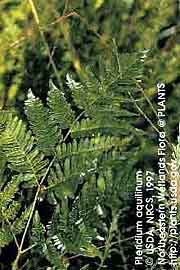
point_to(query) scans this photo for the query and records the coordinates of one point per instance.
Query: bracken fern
(81, 165)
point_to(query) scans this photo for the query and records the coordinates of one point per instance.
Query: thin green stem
(20, 251)
(37, 21)
(148, 119)
(108, 240)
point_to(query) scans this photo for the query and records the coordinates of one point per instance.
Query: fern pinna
(80, 164)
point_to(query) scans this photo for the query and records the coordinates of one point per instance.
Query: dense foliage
(73, 163)
(75, 81)
(75, 35)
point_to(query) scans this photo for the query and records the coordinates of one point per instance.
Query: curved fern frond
(87, 128)
(5, 236)
(65, 177)
(8, 193)
(42, 125)
(60, 109)
(8, 231)
(87, 147)
(68, 231)
(98, 97)
(10, 213)
(18, 147)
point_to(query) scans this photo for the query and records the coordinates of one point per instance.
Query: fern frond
(19, 224)
(98, 97)
(8, 231)
(87, 128)
(87, 147)
(60, 109)
(57, 260)
(10, 213)
(79, 160)
(42, 125)
(68, 230)
(65, 177)
(80, 97)
(91, 168)
(5, 237)
(38, 231)
(117, 182)
(58, 183)
(8, 193)
(18, 147)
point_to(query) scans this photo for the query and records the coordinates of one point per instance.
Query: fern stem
(70, 130)
(37, 20)
(151, 105)
(20, 251)
(14, 236)
(148, 119)
(146, 97)
(27, 249)
(122, 253)
(66, 7)
(108, 240)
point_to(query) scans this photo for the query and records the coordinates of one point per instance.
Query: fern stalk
(36, 18)
(20, 248)
(109, 239)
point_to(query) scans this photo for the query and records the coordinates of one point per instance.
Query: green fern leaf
(60, 109)
(18, 147)
(10, 213)
(19, 224)
(5, 237)
(42, 125)
(8, 193)
(98, 97)
(87, 128)
(87, 147)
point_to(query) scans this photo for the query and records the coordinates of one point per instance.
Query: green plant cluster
(70, 146)
(77, 32)
(81, 165)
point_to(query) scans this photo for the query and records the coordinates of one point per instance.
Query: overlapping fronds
(12, 220)
(17, 145)
(81, 165)
(9, 230)
(102, 98)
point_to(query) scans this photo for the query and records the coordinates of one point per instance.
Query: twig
(108, 241)
(66, 6)
(37, 21)
(148, 119)
(20, 251)
(74, 13)
(146, 97)
(14, 236)
(27, 249)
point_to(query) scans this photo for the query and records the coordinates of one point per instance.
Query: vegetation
(72, 163)
(75, 81)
